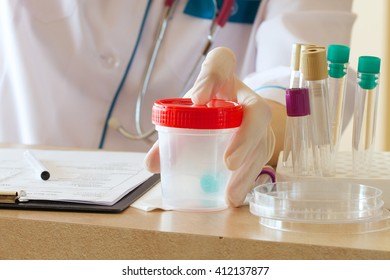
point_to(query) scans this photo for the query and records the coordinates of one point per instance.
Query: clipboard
(121, 205)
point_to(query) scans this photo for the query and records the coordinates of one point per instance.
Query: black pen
(38, 166)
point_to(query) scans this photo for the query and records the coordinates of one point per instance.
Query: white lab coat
(61, 61)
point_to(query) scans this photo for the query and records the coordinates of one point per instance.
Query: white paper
(96, 177)
(151, 200)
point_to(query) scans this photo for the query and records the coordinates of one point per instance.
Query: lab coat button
(110, 61)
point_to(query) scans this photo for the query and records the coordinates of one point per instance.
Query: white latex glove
(253, 144)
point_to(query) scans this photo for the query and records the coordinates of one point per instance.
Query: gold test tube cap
(297, 48)
(305, 47)
(314, 65)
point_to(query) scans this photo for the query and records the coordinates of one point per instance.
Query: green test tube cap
(338, 57)
(369, 68)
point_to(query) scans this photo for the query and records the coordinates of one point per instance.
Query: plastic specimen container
(192, 141)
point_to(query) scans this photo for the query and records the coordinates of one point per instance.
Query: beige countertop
(135, 234)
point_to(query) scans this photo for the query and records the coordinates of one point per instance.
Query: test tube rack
(379, 177)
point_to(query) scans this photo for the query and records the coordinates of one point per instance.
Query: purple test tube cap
(297, 102)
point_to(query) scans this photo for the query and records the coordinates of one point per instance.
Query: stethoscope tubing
(167, 15)
(122, 82)
(220, 18)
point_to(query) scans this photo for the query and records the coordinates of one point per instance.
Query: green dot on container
(209, 183)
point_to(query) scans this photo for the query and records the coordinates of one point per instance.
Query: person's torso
(64, 61)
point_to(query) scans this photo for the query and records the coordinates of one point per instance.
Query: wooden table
(134, 234)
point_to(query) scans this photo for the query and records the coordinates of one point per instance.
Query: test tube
(364, 120)
(315, 73)
(298, 113)
(295, 80)
(294, 83)
(338, 59)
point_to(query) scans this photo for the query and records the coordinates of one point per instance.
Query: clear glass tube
(301, 152)
(323, 154)
(294, 83)
(337, 90)
(295, 78)
(286, 160)
(302, 82)
(364, 126)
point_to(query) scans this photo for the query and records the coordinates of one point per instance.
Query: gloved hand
(253, 144)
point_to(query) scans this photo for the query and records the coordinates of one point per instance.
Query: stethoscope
(219, 19)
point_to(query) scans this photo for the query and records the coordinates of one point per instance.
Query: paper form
(95, 177)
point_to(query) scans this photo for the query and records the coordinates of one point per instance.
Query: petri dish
(320, 206)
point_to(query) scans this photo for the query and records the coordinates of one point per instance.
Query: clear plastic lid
(320, 206)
